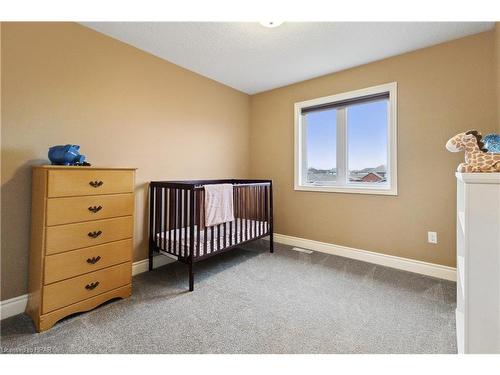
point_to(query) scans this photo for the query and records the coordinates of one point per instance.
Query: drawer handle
(95, 234)
(95, 209)
(92, 286)
(94, 260)
(96, 184)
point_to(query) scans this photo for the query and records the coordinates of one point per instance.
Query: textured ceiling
(252, 58)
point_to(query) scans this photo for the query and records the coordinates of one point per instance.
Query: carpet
(250, 301)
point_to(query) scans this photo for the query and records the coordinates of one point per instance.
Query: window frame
(300, 168)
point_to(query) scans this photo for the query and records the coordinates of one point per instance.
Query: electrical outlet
(432, 237)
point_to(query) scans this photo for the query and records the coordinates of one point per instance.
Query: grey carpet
(250, 301)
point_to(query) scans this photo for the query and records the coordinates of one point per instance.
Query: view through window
(347, 143)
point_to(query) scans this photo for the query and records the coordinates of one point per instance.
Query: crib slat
(225, 235)
(205, 247)
(151, 212)
(245, 205)
(182, 248)
(266, 212)
(238, 220)
(249, 218)
(168, 208)
(178, 230)
(205, 237)
(263, 209)
(158, 217)
(151, 215)
(191, 224)
(246, 202)
(254, 212)
(219, 242)
(199, 208)
(259, 214)
(231, 223)
(165, 218)
(162, 220)
(236, 215)
(262, 217)
(250, 211)
(242, 216)
(174, 218)
(212, 239)
(257, 210)
(185, 217)
(155, 233)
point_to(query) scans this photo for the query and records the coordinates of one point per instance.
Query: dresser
(82, 225)
(478, 263)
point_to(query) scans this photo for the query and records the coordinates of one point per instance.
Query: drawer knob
(94, 260)
(95, 209)
(96, 184)
(95, 234)
(92, 286)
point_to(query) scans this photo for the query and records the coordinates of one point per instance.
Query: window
(347, 142)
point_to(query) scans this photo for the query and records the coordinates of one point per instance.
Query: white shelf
(461, 275)
(460, 331)
(461, 219)
(478, 178)
(478, 262)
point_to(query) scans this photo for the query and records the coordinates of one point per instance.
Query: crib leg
(151, 260)
(271, 243)
(191, 277)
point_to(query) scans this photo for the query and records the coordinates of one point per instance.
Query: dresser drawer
(93, 207)
(73, 290)
(74, 236)
(77, 262)
(66, 183)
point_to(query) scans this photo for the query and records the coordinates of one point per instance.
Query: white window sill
(348, 189)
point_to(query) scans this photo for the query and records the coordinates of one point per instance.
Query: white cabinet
(478, 262)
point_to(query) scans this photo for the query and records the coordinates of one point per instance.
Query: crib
(177, 220)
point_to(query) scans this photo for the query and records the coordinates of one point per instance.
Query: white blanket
(218, 204)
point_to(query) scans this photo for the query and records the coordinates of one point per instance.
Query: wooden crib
(176, 219)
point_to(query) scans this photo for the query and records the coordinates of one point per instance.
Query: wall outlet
(432, 237)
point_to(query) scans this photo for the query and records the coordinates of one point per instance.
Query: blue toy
(492, 143)
(66, 155)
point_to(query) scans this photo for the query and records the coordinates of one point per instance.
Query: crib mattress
(239, 234)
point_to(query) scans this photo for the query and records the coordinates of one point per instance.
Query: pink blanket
(218, 204)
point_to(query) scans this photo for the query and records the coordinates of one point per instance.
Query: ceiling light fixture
(270, 23)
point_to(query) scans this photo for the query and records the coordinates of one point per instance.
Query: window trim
(392, 187)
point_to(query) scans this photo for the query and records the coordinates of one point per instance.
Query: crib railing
(177, 219)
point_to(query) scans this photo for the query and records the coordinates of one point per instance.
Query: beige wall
(442, 91)
(63, 83)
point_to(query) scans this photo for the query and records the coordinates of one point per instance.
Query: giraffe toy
(477, 159)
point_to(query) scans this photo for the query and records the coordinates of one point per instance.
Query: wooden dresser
(82, 225)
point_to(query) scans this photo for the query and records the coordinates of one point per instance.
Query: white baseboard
(13, 306)
(411, 265)
(17, 305)
(158, 261)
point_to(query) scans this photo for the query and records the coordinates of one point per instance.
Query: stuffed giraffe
(476, 157)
